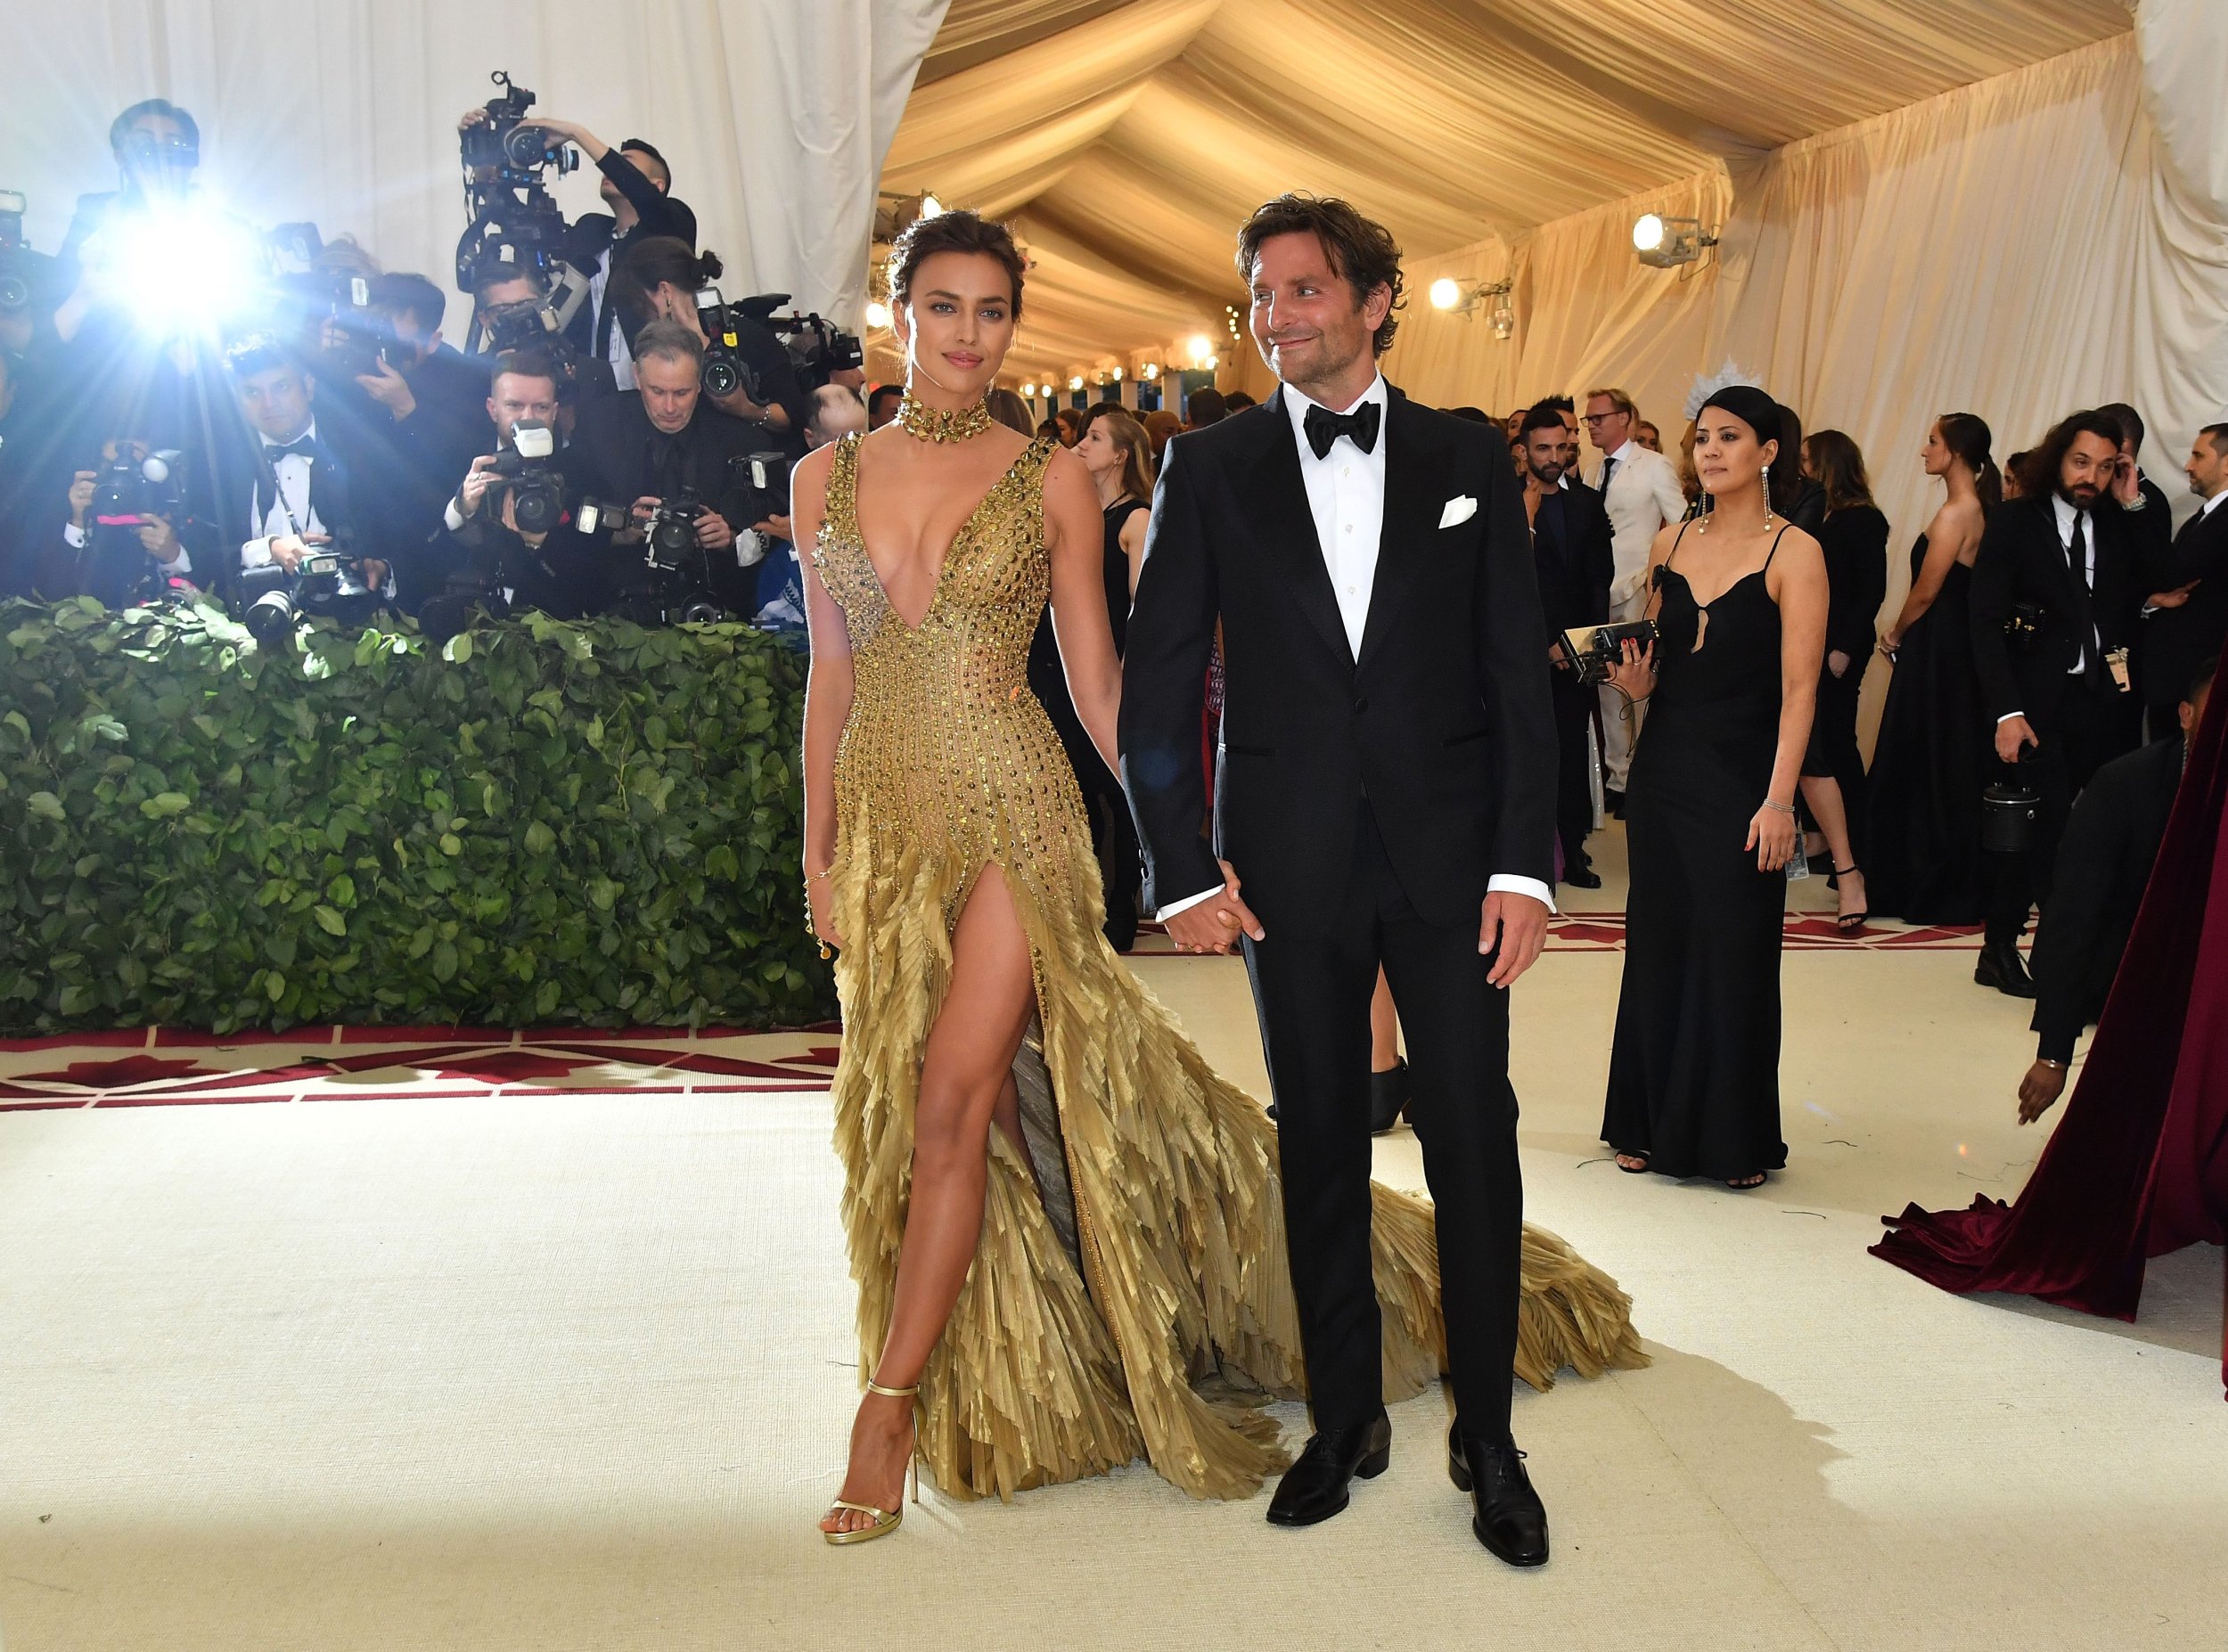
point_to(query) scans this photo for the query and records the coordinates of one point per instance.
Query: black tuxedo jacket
(2104, 862)
(1574, 556)
(1443, 723)
(2022, 560)
(2177, 641)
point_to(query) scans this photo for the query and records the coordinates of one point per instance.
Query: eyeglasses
(1615, 412)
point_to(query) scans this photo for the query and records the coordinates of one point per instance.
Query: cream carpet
(569, 1371)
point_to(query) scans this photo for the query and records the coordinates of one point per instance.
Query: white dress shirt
(2066, 515)
(1345, 495)
(292, 512)
(1642, 496)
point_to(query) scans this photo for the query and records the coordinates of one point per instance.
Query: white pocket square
(1458, 510)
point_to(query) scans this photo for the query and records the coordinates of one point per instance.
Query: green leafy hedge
(541, 822)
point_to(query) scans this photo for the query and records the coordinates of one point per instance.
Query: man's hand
(737, 403)
(2039, 1089)
(1214, 925)
(713, 532)
(288, 550)
(1515, 926)
(2012, 733)
(80, 497)
(375, 574)
(1838, 663)
(2125, 481)
(2170, 599)
(476, 483)
(777, 527)
(390, 390)
(159, 538)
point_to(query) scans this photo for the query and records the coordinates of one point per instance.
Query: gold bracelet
(811, 877)
(1784, 808)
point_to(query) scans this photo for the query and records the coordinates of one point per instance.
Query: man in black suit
(2188, 624)
(2104, 863)
(2065, 567)
(1574, 555)
(1386, 791)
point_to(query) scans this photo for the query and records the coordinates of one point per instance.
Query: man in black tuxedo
(2104, 863)
(2066, 567)
(1386, 791)
(1574, 555)
(2188, 624)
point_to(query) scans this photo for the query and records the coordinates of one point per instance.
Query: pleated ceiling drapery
(1144, 132)
(773, 114)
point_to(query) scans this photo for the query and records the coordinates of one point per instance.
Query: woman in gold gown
(1066, 1231)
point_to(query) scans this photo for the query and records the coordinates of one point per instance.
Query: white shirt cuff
(1508, 883)
(73, 535)
(1186, 904)
(179, 568)
(453, 518)
(2007, 717)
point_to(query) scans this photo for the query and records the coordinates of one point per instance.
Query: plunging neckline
(1757, 573)
(936, 588)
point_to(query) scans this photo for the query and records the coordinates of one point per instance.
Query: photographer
(480, 540)
(511, 313)
(156, 147)
(297, 488)
(129, 537)
(659, 280)
(664, 443)
(836, 412)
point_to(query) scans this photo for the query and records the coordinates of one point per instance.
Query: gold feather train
(1129, 1293)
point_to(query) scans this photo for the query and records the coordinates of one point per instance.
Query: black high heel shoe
(1847, 923)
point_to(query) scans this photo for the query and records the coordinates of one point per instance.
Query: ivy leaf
(458, 649)
(47, 806)
(539, 839)
(329, 920)
(164, 803)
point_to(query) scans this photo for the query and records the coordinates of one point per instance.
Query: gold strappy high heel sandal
(886, 1520)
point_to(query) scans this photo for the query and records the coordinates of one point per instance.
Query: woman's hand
(1771, 835)
(1891, 644)
(822, 897)
(1634, 673)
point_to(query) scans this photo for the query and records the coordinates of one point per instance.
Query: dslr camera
(136, 483)
(281, 596)
(724, 370)
(672, 584)
(537, 325)
(530, 479)
(17, 274)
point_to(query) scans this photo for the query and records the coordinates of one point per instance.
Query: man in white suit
(1641, 493)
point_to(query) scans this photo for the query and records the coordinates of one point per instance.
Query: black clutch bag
(2023, 626)
(1594, 650)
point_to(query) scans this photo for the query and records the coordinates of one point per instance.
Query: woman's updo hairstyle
(957, 231)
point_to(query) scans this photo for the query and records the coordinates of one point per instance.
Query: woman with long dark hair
(1922, 814)
(1709, 815)
(1852, 534)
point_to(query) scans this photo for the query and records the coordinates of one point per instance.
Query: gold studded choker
(933, 424)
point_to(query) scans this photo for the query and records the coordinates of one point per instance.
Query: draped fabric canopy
(1129, 138)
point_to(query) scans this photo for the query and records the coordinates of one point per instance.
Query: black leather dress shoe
(2002, 967)
(1315, 1488)
(1511, 1520)
(1613, 803)
(1582, 877)
(1388, 1094)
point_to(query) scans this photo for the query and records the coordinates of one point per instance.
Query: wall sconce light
(1666, 243)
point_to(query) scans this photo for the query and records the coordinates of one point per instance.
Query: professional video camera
(819, 347)
(507, 205)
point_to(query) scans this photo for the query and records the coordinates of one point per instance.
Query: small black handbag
(1594, 650)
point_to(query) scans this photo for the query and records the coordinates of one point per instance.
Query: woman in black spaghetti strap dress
(1740, 610)
(1118, 455)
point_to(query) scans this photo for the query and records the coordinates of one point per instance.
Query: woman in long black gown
(1923, 836)
(1853, 535)
(1740, 605)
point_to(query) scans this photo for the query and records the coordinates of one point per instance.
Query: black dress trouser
(1575, 704)
(2076, 733)
(1313, 979)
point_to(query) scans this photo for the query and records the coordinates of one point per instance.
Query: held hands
(2012, 733)
(2039, 1089)
(1771, 835)
(1214, 925)
(1515, 926)
(1634, 673)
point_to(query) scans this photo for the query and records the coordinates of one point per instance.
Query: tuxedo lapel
(1286, 527)
(1415, 464)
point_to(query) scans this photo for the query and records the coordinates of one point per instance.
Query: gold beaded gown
(1129, 1293)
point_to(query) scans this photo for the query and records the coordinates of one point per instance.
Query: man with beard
(1572, 550)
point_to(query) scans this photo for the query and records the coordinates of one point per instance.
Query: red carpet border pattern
(154, 1066)
(1604, 932)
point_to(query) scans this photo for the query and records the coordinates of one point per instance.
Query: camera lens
(270, 620)
(535, 508)
(721, 376)
(15, 292)
(525, 148)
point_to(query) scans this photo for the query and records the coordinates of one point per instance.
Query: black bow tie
(1324, 427)
(300, 448)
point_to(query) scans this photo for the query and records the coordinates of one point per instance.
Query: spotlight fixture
(930, 206)
(877, 314)
(1118, 375)
(1465, 299)
(1075, 383)
(1666, 243)
(1201, 347)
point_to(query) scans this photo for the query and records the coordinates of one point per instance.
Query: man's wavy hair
(2039, 468)
(1360, 250)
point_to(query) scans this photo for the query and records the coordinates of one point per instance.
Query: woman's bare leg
(1822, 794)
(967, 1070)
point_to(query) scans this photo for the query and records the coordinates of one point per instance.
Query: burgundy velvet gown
(2139, 1164)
